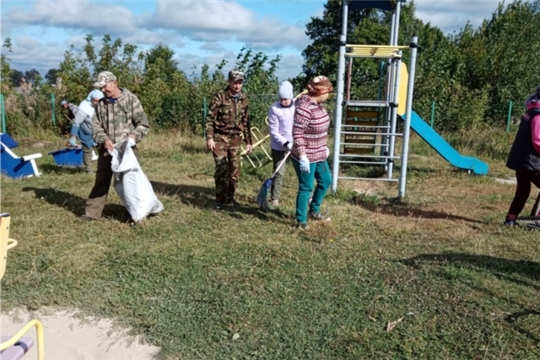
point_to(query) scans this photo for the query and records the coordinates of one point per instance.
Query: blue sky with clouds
(201, 31)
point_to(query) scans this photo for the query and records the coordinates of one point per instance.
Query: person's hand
(108, 144)
(73, 141)
(249, 149)
(288, 145)
(131, 142)
(327, 152)
(211, 145)
(304, 164)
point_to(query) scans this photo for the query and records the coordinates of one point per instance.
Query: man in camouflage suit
(118, 116)
(226, 123)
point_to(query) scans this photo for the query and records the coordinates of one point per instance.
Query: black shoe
(218, 206)
(534, 225)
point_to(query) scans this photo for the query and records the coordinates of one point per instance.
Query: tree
(5, 68)
(500, 56)
(159, 63)
(33, 76)
(16, 77)
(51, 76)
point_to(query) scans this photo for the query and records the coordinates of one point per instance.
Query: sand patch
(68, 337)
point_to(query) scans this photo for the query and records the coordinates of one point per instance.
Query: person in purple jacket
(524, 159)
(280, 122)
(310, 151)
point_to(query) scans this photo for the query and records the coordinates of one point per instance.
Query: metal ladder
(361, 131)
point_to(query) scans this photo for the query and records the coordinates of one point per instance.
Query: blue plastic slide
(444, 149)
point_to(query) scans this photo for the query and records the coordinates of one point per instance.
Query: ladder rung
(369, 133)
(368, 103)
(371, 156)
(367, 179)
(362, 114)
(359, 141)
(357, 123)
(358, 145)
(357, 150)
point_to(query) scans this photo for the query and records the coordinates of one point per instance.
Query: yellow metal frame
(374, 51)
(259, 142)
(6, 244)
(24, 330)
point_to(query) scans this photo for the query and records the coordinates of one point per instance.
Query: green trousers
(320, 172)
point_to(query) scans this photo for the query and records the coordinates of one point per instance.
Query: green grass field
(242, 284)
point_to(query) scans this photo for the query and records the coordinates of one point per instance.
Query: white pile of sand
(74, 338)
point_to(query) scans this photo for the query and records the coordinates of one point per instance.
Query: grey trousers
(277, 156)
(87, 158)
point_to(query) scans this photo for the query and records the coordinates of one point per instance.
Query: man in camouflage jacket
(118, 116)
(226, 123)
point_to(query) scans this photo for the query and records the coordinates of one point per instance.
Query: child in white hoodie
(280, 122)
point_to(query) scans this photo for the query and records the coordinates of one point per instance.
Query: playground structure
(366, 130)
(16, 346)
(13, 165)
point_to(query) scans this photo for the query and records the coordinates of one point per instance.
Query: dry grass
(191, 278)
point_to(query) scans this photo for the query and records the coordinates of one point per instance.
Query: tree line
(471, 75)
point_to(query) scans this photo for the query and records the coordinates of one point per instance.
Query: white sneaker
(275, 203)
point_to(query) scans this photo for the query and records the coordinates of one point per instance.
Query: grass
(242, 284)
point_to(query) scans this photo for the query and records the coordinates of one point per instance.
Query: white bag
(131, 183)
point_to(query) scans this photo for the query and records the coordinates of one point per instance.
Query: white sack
(131, 183)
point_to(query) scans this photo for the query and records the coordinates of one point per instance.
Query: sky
(199, 31)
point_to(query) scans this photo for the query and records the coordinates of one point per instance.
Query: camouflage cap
(103, 78)
(236, 74)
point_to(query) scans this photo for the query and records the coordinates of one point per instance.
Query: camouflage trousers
(227, 161)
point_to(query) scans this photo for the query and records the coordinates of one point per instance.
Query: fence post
(3, 113)
(509, 116)
(204, 118)
(53, 111)
(432, 113)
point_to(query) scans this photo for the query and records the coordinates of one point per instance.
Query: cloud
(26, 50)
(221, 24)
(453, 15)
(75, 15)
(224, 20)
(212, 47)
(290, 66)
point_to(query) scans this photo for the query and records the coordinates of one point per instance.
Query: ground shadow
(199, 196)
(76, 204)
(250, 207)
(204, 197)
(52, 169)
(394, 208)
(506, 269)
(498, 266)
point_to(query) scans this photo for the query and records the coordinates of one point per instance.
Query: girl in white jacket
(280, 122)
